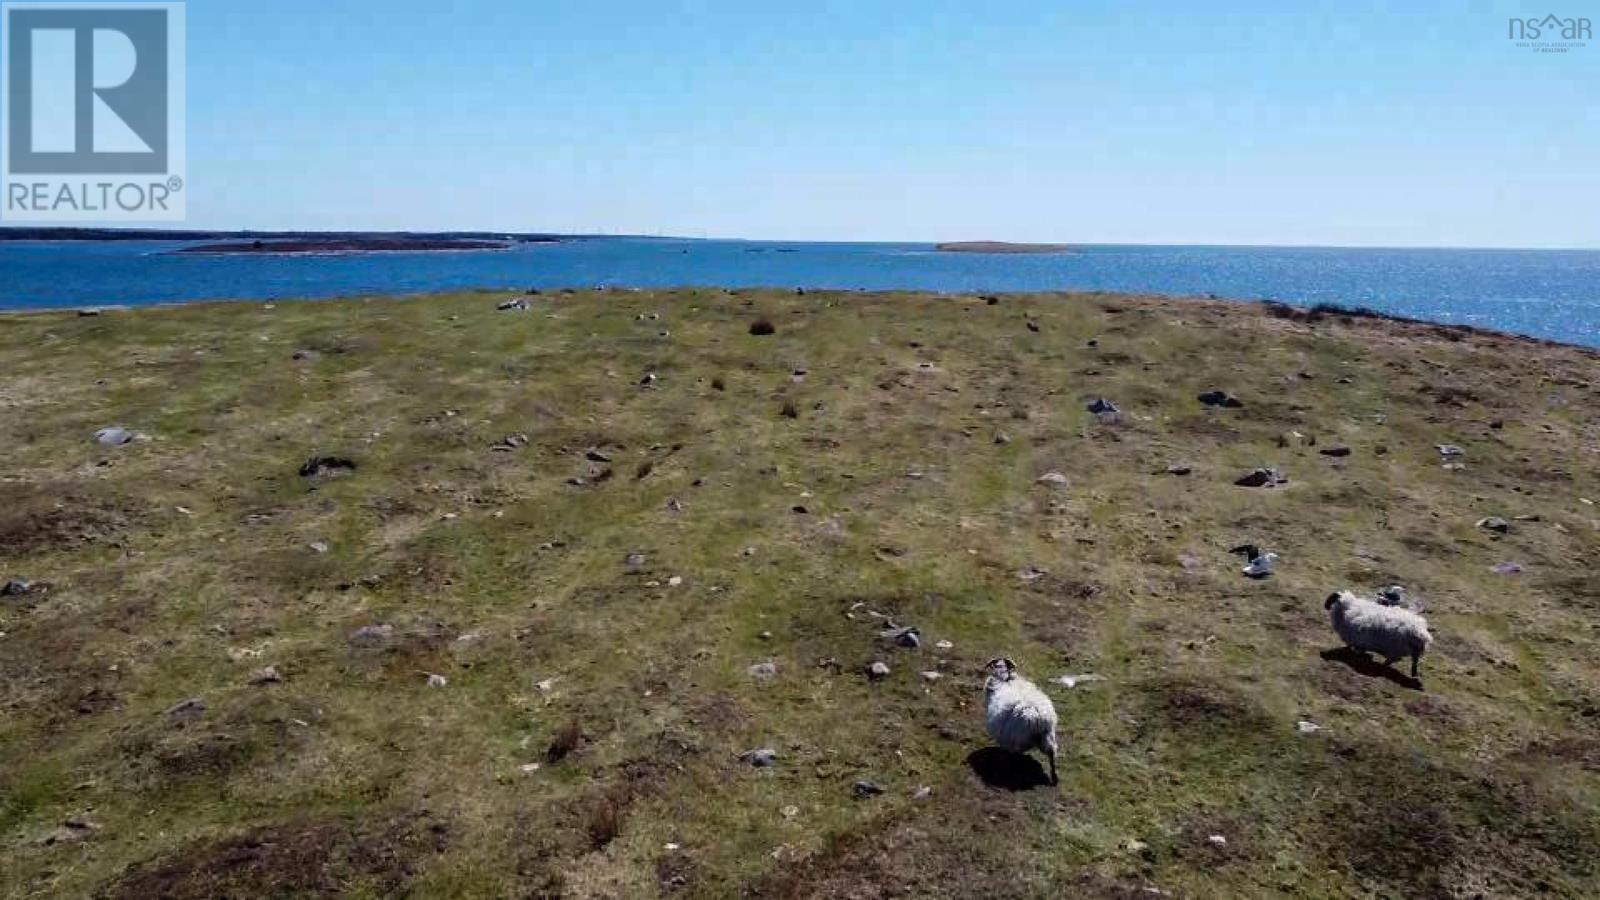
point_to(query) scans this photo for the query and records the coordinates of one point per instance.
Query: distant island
(999, 247)
(345, 245)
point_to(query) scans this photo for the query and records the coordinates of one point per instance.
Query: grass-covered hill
(508, 638)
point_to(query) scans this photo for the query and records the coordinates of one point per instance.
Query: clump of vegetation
(762, 327)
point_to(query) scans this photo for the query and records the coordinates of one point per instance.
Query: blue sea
(1547, 293)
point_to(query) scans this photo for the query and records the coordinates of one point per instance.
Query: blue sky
(1349, 123)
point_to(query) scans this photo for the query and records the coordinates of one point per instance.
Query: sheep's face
(1333, 599)
(1001, 669)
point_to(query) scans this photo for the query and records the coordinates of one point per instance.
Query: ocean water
(1546, 293)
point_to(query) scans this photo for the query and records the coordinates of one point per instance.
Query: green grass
(355, 776)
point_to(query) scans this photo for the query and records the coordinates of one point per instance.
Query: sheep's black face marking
(1001, 668)
(1332, 599)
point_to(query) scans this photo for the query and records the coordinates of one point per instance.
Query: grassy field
(594, 616)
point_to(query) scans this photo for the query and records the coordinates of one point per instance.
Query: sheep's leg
(1415, 658)
(1051, 751)
(1390, 661)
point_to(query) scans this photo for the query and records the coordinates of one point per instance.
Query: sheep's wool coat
(1390, 631)
(1020, 716)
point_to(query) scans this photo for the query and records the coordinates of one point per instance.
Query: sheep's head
(1333, 598)
(1001, 669)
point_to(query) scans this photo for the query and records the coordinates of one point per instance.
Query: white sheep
(1370, 627)
(1019, 715)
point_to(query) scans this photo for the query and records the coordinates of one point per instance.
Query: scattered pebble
(372, 635)
(1261, 566)
(1054, 478)
(594, 454)
(1265, 477)
(1217, 840)
(437, 681)
(1180, 469)
(517, 305)
(1449, 450)
(265, 676)
(760, 758)
(528, 768)
(1506, 568)
(1222, 399)
(546, 686)
(675, 581)
(635, 561)
(319, 546)
(945, 645)
(877, 671)
(909, 637)
(790, 811)
(765, 671)
(318, 466)
(922, 793)
(931, 676)
(1305, 726)
(1101, 406)
(1031, 573)
(1072, 681)
(1337, 450)
(866, 789)
(115, 436)
(1494, 523)
(187, 709)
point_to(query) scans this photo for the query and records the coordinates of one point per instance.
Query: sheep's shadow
(1001, 768)
(1372, 668)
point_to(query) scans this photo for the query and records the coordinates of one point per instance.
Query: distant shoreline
(1000, 247)
(341, 247)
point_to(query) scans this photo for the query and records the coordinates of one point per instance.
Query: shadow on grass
(1372, 668)
(1010, 771)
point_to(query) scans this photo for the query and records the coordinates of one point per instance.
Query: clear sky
(1347, 123)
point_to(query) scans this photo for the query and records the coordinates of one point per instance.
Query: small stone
(1000, 437)
(760, 758)
(187, 709)
(1072, 681)
(437, 681)
(319, 546)
(1222, 399)
(1217, 840)
(1053, 478)
(944, 645)
(909, 638)
(922, 793)
(517, 305)
(648, 379)
(1265, 477)
(306, 356)
(17, 587)
(594, 454)
(1134, 845)
(1180, 469)
(1494, 523)
(866, 789)
(877, 671)
(546, 686)
(268, 675)
(528, 768)
(1497, 424)
(372, 635)
(1449, 450)
(675, 581)
(1101, 406)
(764, 671)
(635, 562)
(1305, 726)
(1506, 568)
(765, 635)
(1031, 573)
(1337, 450)
(790, 811)
(318, 466)
(115, 436)
(931, 676)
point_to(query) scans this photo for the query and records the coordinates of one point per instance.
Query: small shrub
(790, 411)
(604, 822)
(761, 327)
(567, 739)
(717, 384)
